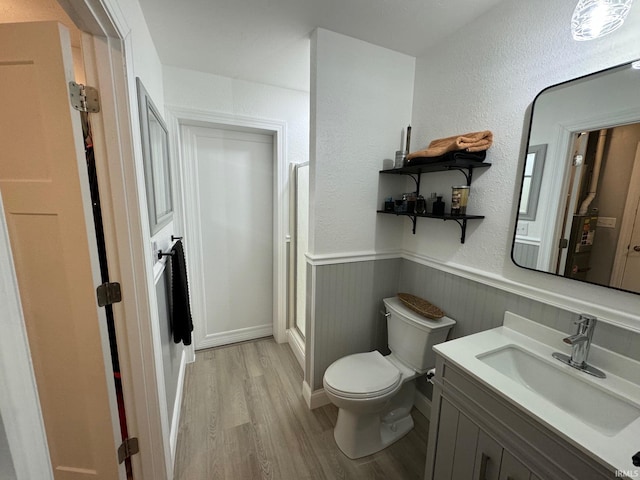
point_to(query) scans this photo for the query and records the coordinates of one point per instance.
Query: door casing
(177, 116)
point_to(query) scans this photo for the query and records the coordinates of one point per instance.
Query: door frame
(108, 36)
(559, 183)
(176, 118)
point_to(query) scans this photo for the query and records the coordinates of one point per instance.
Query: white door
(235, 185)
(44, 187)
(631, 271)
(626, 266)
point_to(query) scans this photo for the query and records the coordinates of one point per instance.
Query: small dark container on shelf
(438, 207)
(389, 205)
(421, 205)
(400, 206)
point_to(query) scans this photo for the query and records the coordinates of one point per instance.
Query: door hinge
(84, 98)
(127, 449)
(564, 243)
(108, 293)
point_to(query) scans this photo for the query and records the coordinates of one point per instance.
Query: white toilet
(375, 393)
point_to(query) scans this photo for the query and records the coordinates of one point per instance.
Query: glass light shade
(596, 18)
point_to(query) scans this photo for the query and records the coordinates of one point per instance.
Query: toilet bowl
(375, 393)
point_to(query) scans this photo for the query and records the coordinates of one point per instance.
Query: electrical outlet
(522, 229)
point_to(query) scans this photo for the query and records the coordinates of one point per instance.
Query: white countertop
(623, 380)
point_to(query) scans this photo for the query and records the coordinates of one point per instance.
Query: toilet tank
(412, 336)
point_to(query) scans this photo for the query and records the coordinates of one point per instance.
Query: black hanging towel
(182, 324)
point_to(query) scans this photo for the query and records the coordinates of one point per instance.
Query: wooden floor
(243, 417)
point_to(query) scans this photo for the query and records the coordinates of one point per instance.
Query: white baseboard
(175, 420)
(296, 343)
(316, 399)
(423, 404)
(235, 336)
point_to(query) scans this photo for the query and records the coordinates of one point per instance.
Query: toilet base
(361, 435)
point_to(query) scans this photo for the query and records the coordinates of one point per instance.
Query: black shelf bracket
(468, 176)
(416, 178)
(463, 227)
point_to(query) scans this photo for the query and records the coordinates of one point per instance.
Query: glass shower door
(301, 243)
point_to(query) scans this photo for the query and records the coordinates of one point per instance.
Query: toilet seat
(362, 375)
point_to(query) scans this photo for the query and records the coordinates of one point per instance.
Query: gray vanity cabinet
(467, 453)
(488, 458)
(475, 434)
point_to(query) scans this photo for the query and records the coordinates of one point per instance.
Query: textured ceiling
(267, 41)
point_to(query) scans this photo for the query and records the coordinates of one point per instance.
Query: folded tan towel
(471, 142)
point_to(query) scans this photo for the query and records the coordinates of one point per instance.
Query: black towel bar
(164, 254)
(173, 239)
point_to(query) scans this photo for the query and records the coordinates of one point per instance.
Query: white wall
(213, 93)
(485, 77)
(360, 102)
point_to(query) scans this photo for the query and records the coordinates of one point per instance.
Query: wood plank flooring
(243, 417)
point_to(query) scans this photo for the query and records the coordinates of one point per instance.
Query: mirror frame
(625, 121)
(148, 112)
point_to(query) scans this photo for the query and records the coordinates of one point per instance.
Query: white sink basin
(581, 398)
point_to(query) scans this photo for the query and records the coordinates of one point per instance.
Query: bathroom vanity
(504, 409)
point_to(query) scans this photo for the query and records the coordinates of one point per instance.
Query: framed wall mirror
(157, 169)
(586, 188)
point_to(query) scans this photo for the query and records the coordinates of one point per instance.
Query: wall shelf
(466, 167)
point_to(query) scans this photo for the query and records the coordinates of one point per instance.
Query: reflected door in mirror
(580, 189)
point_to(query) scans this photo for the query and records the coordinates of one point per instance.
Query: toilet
(375, 393)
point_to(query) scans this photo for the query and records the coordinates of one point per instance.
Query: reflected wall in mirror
(157, 171)
(531, 181)
(587, 222)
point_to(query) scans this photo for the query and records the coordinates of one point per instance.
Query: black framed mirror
(157, 169)
(579, 208)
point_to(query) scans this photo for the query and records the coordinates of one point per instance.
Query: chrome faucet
(580, 344)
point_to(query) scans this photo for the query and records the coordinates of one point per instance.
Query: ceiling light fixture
(596, 18)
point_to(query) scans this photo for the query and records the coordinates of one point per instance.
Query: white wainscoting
(175, 420)
(612, 316)
(422, 404)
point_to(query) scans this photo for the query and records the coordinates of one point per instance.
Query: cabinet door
(465, 450)
(512, 469)
(488, 458)
(446, 443)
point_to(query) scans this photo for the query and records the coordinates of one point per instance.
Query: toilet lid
(362, 374)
